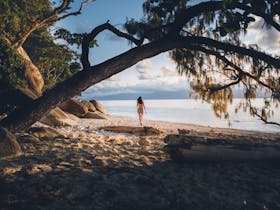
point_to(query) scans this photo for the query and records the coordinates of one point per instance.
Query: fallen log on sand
(200, 148)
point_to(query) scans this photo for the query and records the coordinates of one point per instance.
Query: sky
(152, 78)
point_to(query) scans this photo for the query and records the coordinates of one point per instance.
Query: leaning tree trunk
(32, 74)
(23, 118)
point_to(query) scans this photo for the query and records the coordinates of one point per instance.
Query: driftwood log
(183, 147)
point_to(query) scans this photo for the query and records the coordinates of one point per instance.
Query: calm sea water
(192, 111)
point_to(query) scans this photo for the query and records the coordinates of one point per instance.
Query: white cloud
(142, 66)
(168, 72)
(145, 76)
(267, 39)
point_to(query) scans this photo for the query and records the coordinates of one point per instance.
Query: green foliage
(56, 62)
(73, 39)
(11, 66)
(19, 15)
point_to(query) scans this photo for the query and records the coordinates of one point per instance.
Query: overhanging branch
(50, 19)
(255, 112)
(227, 47)
(187, 14)
(229, 63)
(91, 36)
(79, 11)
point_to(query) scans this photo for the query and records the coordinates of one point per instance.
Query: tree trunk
(32, 74)
(23, 118)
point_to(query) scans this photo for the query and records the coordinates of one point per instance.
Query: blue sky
(152, 78)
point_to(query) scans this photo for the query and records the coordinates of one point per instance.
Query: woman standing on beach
(140, 109)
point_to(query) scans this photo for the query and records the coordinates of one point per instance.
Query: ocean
(194, 112)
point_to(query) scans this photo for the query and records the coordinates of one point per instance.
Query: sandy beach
(84, 167)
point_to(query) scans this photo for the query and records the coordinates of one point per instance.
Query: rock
(89, 105)
(75, 107)
(95, 115)
(132, 130)
(73, 117)
(42, 132)
(8, 144)
(57, 117)
(99, 107)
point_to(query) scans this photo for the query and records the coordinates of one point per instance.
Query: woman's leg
(140, 117)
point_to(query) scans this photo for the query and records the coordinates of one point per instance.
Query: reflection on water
(194, 112)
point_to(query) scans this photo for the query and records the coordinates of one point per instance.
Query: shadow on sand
(77, 183)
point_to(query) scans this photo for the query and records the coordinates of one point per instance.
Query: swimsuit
(140, 110)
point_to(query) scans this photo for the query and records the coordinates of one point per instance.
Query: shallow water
(194, 112)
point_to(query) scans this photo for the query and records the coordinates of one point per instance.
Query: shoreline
(173, 126)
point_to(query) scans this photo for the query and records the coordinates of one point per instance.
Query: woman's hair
(139, 100)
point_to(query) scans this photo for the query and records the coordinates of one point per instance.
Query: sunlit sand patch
(11, 170)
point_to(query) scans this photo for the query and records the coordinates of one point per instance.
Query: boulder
(8, 144)
(57, 117)
(95, 115)
(75, 107)
(73, 117)
(99, 107)
(133, 130)
(89, 105)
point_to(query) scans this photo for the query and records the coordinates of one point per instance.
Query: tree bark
(24, 117)
(32, 74)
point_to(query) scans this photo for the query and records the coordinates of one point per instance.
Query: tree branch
(267, 18)
(255, 112)
(229, 63)
(48, 19)
(227, 47)
(91, 36)
(186, 15)
(83, 4)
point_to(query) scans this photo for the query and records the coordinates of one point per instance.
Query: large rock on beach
(57, 117)
(133, 130)
(75, 107)
(8, 144)
(89, 105)
(99, 107)
(95, 115)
